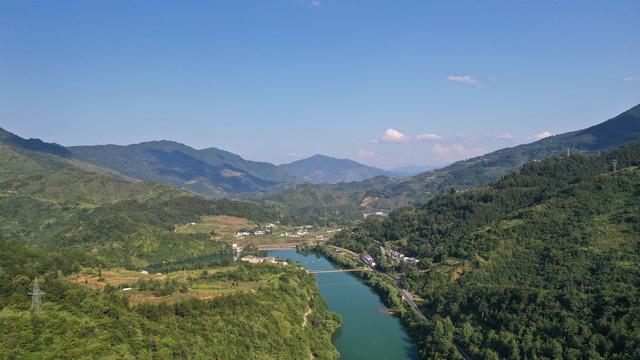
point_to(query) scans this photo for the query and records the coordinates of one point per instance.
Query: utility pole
(36, 300)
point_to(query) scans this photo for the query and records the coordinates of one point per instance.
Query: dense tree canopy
(542, 264)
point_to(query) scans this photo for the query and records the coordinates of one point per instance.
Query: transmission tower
(36, 300)
(186, 284)
(615, 163)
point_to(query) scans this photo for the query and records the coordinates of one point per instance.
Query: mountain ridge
(482, 170)
(210, 172)
(326, 169)
(216, 173)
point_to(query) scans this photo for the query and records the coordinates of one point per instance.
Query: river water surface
(368, 331)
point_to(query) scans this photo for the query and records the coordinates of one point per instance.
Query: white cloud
(505, 136)
(465, 79)
(366, 155)
(394, 136)
(429, 137)
(465, 137)
(631, 79)
(455, 152)
(543, 135)
(314, 3)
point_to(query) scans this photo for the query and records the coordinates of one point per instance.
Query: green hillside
(32, 144)
(45, 200)
(385, 193)
(210, 172)
(309, 205)
(263, 311)
(480, 171)
(542, 264)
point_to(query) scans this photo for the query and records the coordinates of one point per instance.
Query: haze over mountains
(480, 171)
(209, 172)
(324, 169)
(217, 173)
(557, 239)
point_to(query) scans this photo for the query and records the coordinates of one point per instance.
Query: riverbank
(386, 289)
(368, 331)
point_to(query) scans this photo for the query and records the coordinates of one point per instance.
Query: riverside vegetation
(541, 264)
(282, 317)
(61, 222)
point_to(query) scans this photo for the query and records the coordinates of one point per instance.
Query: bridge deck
(334, 271)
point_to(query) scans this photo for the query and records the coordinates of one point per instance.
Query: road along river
(368, 331)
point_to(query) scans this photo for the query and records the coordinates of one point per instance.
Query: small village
(400, 257)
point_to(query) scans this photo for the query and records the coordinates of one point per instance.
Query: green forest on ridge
(542, 264)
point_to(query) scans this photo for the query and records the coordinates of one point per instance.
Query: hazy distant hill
(408, 171)
(32, 144)
(324, 169)
(210, 172)
(480, 171)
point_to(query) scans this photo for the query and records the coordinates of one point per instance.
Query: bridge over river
(335, 271)
(406, 295)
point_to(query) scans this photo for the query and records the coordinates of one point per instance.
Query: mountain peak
(325, 169)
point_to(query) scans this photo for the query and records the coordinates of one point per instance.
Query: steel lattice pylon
(36, 300)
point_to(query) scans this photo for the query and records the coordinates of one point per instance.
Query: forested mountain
(482, 170)
(32, 144)
(264, 311)
(324, 169)
(408, 171)
(47, 201)
(544, 263)
(210, 172)
(386, 193)
(62, 223)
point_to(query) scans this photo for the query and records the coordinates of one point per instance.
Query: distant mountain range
(210, 172)
(217, 173)
(32, 144)
(324, 169)
(408, 171)
(480, 171)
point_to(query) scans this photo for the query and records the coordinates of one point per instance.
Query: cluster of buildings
(298, 233)
(367, 259)
(398, 256)
(143, 271)
(242, 234)
(267, 230)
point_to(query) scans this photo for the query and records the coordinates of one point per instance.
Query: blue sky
(386, 83)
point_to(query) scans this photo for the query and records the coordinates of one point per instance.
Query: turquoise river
(368, 331)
